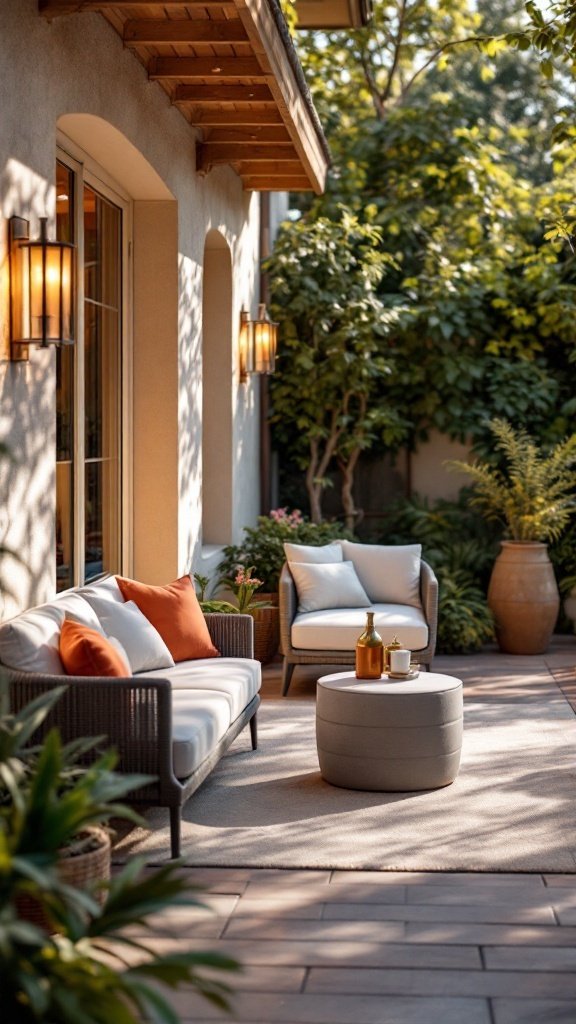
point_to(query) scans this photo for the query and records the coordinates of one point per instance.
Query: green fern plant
(535, 495)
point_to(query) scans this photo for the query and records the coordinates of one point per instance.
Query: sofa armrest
(429, 599)
(232, 634)
(287, 605)
(134, 715)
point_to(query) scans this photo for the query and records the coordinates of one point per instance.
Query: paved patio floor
(336, 947)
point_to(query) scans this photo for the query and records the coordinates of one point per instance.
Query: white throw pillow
(330, 585)
(390, 574)
(143, 644)
(107, 588)
(30, 642)
(308, 553)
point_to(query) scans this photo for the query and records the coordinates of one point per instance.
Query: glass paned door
(102, 383)
(65, 523)
(89, 389)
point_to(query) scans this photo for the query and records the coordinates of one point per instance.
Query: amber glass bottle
(369, 652)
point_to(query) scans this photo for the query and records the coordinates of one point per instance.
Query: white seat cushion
(200, 719)
(338, 629)
(237, 680)
(30, 641)
(390, 574)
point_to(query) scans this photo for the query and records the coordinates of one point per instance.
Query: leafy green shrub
(263, 544)
(464, 619)
(461, 547)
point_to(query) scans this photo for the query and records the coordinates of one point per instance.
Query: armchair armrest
(429, 598)
(287, 605)
(232, 634)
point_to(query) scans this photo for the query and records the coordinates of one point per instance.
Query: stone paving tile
(490, 934)
(498, 958)
(519, 1011)
(327, 893)
(511, 895)
(309, 1008)
(417, 982)
(279, 909)
(351, 954)
(445, 878)
(488, 914)
(560, 881)
(311, 931)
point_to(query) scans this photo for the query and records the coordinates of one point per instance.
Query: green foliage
(461, 548)
(534, 495)
(465, 622)
(78, 975)
(332, 360)
(263, 544)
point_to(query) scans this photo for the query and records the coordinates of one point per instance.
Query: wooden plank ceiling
(232, 72)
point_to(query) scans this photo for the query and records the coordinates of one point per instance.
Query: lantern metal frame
(54, 323)
(258, 340)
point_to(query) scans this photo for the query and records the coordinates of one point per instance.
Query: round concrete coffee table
(389, 735)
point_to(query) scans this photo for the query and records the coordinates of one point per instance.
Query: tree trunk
(347, 469)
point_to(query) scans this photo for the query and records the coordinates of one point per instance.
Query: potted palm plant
(66, 964)
(534, 496)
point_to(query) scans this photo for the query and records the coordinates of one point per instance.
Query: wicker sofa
(172, 723)
(327, 636)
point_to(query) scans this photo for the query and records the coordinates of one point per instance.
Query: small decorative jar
(369, 651)
(395, 645)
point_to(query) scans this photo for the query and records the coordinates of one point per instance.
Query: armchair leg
(287, 671)
(254, 731)
(175, 816)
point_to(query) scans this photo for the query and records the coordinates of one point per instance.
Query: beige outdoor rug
(512, 807)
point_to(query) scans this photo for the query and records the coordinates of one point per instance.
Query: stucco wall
(77, 65)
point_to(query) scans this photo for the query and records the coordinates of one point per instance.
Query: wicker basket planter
(266, 629)
(80, 870)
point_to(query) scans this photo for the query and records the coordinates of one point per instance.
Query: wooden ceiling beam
(54, 8)
(270, 168)
(212, 118)
(209, 154)
(285, 184)
(217, 94)
(154, 31)
(247, 135)
(197, 68)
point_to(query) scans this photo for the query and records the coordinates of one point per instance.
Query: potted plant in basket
(534, 496)
(243, 585)
(65, 964)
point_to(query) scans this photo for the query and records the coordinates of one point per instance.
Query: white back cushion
(308, 553)
(327, 585)
(389, 574)
(104, 588)
(142, 643)
(30, 641)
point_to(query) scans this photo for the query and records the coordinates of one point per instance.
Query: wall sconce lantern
(41, 289)
(258, 340)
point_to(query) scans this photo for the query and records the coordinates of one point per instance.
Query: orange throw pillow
(174, 611)
(85, 652)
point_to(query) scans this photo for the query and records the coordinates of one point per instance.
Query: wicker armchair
(288, 604)
(135, 717)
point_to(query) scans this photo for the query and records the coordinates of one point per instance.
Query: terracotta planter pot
(523, 597)
(266, 629)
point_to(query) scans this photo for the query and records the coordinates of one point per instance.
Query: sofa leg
(254, 731)
(175, 828)
(287, 670)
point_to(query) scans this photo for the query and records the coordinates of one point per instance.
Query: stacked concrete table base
(389, 735)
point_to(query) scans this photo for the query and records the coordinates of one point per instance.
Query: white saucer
(412, 674)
